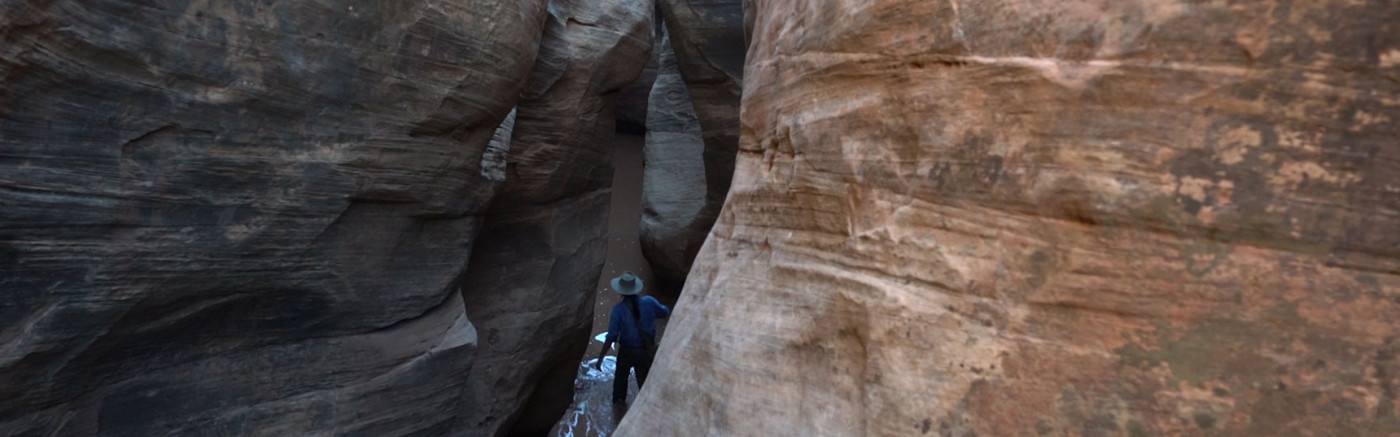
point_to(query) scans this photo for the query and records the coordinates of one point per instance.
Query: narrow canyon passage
(592, 412)
(889, 217)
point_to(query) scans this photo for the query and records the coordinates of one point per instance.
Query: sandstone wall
(246, 218)
(677, 212)
(709, 45)
(999, 218)
(529, 289)
(630, 105)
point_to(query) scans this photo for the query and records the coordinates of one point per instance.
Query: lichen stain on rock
(1201, 354)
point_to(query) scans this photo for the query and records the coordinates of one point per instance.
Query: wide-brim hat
(627, 284)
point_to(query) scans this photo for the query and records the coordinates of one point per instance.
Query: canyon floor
(593, 413)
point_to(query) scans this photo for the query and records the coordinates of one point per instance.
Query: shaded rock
(235, 218)
(529, 289)
(1052, 218)
(630, 108)
(677, 212)
(708, 39)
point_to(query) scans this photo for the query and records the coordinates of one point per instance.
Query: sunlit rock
(1002, 218)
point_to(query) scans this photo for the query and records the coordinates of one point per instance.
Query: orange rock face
(1008, 218)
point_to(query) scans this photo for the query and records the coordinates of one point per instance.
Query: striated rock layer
(529, 289)
(246, 218)
(630, 105)
(709, 46)
(677, 213)
(1004, 218)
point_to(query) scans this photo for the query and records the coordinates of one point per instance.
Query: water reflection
(593, 413)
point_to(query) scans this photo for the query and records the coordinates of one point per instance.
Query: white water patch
(592, 413)
(578, 421)
(588, 373)
(603, 338)
(575, 422)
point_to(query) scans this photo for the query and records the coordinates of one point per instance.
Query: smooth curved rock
(708, 39)
(243, 218)
(999, 218)
(530, 287)
(677, 213)
(630, 108)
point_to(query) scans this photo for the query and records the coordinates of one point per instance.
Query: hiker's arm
(662, 311)
(608, 341)
(607, 345)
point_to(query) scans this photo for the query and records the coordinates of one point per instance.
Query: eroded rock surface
(677, 212)
(243, 218)
(708, 40)
(530, 287)
(1142, 217)
(630, 105)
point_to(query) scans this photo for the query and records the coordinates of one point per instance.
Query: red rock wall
(531, 283)
(1001, 218)
(708, 43)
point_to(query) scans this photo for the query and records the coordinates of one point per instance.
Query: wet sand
(592, 413)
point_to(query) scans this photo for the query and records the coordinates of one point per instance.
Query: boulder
(245, 218)
(708, 39)
(1140, 217)
(677, 213)
(530, 287)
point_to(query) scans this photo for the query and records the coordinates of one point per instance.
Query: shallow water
(592, 413)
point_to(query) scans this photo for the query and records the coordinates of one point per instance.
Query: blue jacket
(624, 330)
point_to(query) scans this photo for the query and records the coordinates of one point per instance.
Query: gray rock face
(708, 39)
(630, 109)
(530, 287)
(676, 211)
(241, 218)
(708, 36)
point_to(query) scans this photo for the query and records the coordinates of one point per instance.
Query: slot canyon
(879, 217)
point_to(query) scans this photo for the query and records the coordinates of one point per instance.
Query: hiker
(632, 326)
